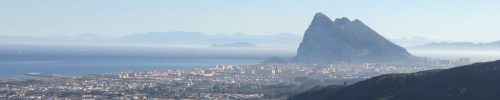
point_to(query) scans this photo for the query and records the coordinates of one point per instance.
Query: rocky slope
(343, 40)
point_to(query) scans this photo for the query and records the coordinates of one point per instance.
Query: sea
(77, 67)
(74, 60)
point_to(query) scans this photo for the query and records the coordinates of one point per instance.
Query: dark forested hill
(479, 81)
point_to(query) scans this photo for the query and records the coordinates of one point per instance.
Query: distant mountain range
(411, 41)
(235, 45)
(460, 45)
(477, 81)
(287, 40)
(345, 41)
(165, 38)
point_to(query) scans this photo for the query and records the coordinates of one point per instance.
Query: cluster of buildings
(264, 81)
(447, 62)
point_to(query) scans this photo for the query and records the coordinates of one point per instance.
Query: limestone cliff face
(343, 40)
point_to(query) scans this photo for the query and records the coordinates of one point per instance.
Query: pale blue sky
(459, 20)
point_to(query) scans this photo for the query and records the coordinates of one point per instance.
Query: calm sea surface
(16, 60)
(78, 67)
(70, 60)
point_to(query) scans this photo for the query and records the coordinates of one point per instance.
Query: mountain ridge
(476, 81)
(342, 40)
(460, 45)
(284, 40)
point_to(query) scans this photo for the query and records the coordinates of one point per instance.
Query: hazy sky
(459, 20)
